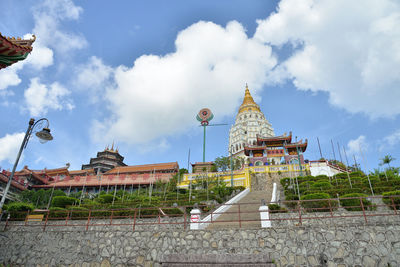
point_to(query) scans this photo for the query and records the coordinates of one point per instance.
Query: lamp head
(44, 135)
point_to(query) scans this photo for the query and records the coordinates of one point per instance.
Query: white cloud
(48, 17)
(40, 98)
(390, 140)
(161, 95)
(94, 76)
(10, 144)
(356, 145)
(9, 77)
(349, 49)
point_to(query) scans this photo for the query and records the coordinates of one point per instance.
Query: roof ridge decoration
(14, 49)
(248, 102)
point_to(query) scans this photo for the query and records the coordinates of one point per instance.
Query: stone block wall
(350, 245)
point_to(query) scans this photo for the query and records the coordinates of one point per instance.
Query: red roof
(16, 182)
(41, 177)
(109, 179)
(275, 139)
(300, 145)
(173, 166)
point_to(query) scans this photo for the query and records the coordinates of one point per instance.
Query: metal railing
(360, 210)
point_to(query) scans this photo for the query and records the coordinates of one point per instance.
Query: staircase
(249, 215)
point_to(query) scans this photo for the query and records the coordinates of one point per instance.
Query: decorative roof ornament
(14, 49)
(248, 102)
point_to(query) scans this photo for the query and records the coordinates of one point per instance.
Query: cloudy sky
(136, 73)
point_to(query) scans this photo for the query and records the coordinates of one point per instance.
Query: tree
(224, 163)
(386, 160)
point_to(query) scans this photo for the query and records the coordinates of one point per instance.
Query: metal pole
(355, 162)
(3, 198)
(204, 143)
(340, 154)
(319, 146)
(333, 150)
(347, 170)
(231, 168)
(188, 161)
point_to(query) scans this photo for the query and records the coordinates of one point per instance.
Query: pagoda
(276, 150)
(250, 122)
(13, 50)
(105, 161)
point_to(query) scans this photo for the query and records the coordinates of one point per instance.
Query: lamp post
(43, 135)
(231, 166)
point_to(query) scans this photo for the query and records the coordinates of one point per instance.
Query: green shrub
(322, 177)
(320, 205)
(354, 204)
(322, 185)
(275, 208)
(388, 196)
(56, 212)
(80, 213)
(106, 198)
(19, 210)
(173, 212)
(63, 201)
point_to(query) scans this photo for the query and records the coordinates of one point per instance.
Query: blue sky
(137, 73)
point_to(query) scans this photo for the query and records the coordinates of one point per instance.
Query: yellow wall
(241, 177)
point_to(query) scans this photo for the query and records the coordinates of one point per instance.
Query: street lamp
(43, 135)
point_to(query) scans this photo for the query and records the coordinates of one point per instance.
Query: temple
(105, 161)
(275, 150)
(249, 123)
(13, 50)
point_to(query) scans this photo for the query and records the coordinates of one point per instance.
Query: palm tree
(386, 160)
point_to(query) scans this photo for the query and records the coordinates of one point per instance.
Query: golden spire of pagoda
(248, 102)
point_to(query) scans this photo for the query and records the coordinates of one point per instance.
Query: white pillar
(264, 216)
(195, 217)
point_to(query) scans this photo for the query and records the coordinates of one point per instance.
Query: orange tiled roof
(144, 168)
(16, 182)
(83, 172)
(110, 179)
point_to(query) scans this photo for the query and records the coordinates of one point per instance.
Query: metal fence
(361, 210)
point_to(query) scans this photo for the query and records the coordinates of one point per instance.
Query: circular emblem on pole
(194, 218)
(205, 116)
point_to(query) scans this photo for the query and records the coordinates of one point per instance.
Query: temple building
(105, 161)
(275, 150)
(125, 177)
(249, 123)
(13, 50)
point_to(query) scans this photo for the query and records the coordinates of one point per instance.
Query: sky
(136, 73)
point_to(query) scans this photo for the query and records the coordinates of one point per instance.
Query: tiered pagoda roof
(274, 140)
(292, 147)
(13, 50)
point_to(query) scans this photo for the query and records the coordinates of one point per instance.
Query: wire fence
(328, 212)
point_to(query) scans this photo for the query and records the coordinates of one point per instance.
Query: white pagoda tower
(250, 122)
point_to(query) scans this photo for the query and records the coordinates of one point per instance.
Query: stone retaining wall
(357, 245)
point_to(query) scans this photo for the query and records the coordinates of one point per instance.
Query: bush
(80, 213)
(275, 208)
(19, 210)
(322, 185)
(63, 201)
(387, 199)
(320, 205)
(106, 198)
(56, 212)
(354, 204)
